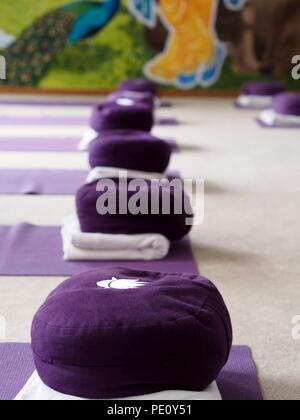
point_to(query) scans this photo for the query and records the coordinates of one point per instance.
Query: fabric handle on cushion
(36, 390)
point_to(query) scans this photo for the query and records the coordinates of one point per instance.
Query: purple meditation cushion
(111, 116)
(287, 104)
(263, 88)
(98, 209)
(135, 150)
(139, 85)
(118, 333)
(124, 97)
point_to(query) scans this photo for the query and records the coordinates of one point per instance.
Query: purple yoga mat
(28, 250)
(43, 120)
(50, 145)
(74, 103)
(47, 102)
(39, 145)
(46, 181)
(237, 382)
(281, 126)
(40, 181)
(51, 120)
(167, 121)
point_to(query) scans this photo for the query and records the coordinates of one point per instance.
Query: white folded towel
(89, 135)
(79, 246)
(255, 101)
(36, 390)
(271, 118)
(102, 172)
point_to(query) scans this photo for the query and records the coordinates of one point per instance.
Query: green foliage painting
(94, 63)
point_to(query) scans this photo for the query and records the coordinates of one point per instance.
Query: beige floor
(248, 244)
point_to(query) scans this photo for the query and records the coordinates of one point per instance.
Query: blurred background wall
(182, 44)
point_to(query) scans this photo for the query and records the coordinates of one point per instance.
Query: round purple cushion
(263, 88)
(139, 85)
(172, 332)
(173, 226)
(136, 97)
(287, 104)
(135, 150)
(111, 116)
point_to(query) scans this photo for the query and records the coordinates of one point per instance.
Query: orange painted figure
(193, 54)
(191, 42)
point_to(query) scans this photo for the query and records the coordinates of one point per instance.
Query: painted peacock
(29, 56)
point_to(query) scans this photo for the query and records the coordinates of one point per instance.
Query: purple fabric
(172, 224)
(137, 117)
(16, 367)
(167, 121)
(40, 181)
(263, 88)
(77, 121)
(47, 102)
(174, 332)
(173, 144)
(28, 250)
(43, 120)
(116, 117)
(73, 103)
(51, 145)
(39, 145)
(139, 85)
(45, 182)
(287, 104)
(237, 382)
(135, 150)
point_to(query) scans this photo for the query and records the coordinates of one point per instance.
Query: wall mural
(193, 54)
(183, 44)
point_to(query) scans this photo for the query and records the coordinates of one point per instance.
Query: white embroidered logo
(125, 102)
(121, 284)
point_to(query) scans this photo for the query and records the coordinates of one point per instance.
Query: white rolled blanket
(271, 118)
(36, 390)
(79, 246)
(255, 101)
(102, 172)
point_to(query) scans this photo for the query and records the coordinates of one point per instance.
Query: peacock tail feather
(31, 55)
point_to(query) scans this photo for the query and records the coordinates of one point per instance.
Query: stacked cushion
(285, 112)
(171, 225)
(259, 95)
(117, 333)
(263, 88)
(135, 150)
(287, 104)
(113, 116)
